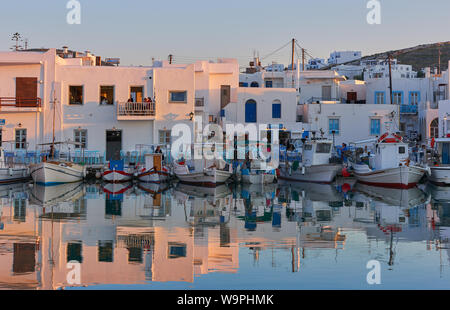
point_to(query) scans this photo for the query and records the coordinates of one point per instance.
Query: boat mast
(54, 114)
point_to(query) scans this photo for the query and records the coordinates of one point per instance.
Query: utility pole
(439, 61)
(391, 92)
(292, 62)
(303, 59)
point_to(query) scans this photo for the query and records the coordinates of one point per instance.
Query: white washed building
(92, 100)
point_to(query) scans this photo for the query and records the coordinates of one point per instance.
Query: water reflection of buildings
(127, 234)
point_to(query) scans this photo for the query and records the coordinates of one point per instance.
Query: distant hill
(421, 56)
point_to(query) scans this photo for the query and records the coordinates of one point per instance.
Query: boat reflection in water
(243, 236)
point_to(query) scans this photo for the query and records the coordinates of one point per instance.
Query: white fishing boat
(316, 165)
(10, 172)
(390, 166)
(209, 177)
(117, 172)
(56, 172)
(440, 171)
(258, 173)
(154, 171)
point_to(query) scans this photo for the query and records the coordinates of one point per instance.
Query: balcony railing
(135, 110)
(20, 102)
(408, 109)
(199, 102)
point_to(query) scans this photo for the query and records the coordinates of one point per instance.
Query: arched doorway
(434, 128)
(250, 111)
(254, 84)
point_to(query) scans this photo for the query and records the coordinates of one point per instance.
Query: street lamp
(191, 116)
(443, 126)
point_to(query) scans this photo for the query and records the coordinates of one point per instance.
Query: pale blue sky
(137, 30)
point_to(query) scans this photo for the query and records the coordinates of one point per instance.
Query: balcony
(199, 104)
(136, 111)
(408, 109)
(13, 104)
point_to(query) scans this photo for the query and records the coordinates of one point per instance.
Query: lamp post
(443, 126)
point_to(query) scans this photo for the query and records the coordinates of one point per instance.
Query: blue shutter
(276, 110)
(250, 111)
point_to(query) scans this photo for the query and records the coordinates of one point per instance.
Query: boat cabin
(317, 152)
(390, 152)
(443, 149)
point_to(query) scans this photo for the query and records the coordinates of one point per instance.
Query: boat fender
(303, 169)
(10, 172)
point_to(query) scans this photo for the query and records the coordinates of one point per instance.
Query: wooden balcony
(135, 111)
(13, 104)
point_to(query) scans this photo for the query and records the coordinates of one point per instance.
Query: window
(105, 251)
(380, 97)
(307, 147)
(397, 97)
(254, 84)
(414, 98)
(333, 124)
(106, 95)
(401, 150)
(375, 125)
(136, 93)
(434, 128)
(176, 250)
(276, 109)
(164, 136)
(269, 84)
(250, 111)
(75, 94)
(80, 136)
(323, 148)
(74, 251)
(1, 136)
(178, 96)
(21, 139)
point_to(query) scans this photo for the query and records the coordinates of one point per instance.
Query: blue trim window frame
(276, 110)
(380, 97)
(397, 97)
(334, 124)
(414, 97)
(375, 126)
(178, 96)
(269, 84)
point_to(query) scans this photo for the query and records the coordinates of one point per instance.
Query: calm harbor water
(281, 236)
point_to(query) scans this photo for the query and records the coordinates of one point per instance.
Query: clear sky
(137, 30)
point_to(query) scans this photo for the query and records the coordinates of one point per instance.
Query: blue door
(445, 153)
(250, 111)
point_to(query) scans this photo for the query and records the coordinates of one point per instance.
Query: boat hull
(117, 176)
(262, 178)
(403, 177)
(208, 178)
(440, 175)
(315, 174)
(11, 175)
(48, 173)
(152, 176)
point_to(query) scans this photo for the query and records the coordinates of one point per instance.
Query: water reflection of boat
(197, 191)
(52, 195)
(260, 188)
(314, 191)
(117, 188)
(396, 197)
(439, 193)
(153, 188)
(7, 190)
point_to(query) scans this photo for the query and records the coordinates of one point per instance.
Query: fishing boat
(209, 176)
(153, 171)
(117, 172)
(56, 172)
(440, 170)
(390, 166)
(258, 174)
(316, 165)
(10, 172)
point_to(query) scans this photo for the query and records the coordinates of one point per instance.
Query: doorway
(113, 144)
(351, 97)
(137, 93)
